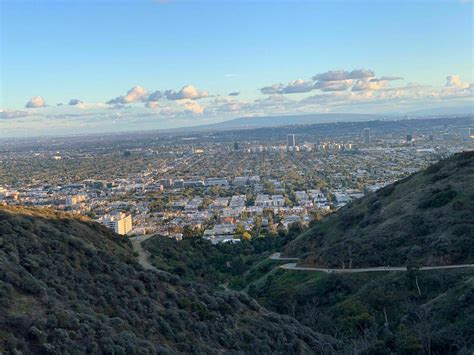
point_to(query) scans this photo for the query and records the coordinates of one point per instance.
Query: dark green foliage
(196, 259)
(379, 313)
(69, 285)
(439, 199)
(387, 190)
(438, 177)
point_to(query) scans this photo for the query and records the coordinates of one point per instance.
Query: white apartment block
(264, 201)
(120, 223)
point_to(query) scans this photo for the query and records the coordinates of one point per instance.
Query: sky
(102, 66)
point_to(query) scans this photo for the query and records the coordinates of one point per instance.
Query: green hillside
(416, 312)
(196, 259)
(425, 219)
(70, 286)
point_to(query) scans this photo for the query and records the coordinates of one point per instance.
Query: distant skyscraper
(409, 138)
(291, 141)
(367, 136)
(236, 146)
(466, 134)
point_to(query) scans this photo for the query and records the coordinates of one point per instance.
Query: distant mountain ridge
(440, 111)
(289, 120)
(315, 118)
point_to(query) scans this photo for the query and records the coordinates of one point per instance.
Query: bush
(438, 200)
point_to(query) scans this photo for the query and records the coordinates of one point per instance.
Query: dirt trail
(143, 255)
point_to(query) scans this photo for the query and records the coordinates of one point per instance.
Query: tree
(190, 232)
(205, 203)
(215, 190)
(258, 226)
(246, 235)
(239, 229)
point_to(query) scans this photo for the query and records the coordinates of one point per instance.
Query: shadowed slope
(67, 283)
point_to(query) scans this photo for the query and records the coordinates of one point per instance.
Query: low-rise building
(217, 182)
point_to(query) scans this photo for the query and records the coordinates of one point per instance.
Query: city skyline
(103, 67)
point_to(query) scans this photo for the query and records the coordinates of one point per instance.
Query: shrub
(438, 200)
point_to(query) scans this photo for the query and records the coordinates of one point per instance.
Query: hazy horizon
(91, 67)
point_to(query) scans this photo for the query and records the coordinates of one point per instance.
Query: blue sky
(95, 51)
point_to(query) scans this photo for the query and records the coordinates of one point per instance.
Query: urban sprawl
(216, 188)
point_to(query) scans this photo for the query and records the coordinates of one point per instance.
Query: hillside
(424, 219)
(415, 312)
(196, 259)
(67, 284)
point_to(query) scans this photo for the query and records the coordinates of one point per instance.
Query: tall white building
(366, 136)
(291, 141)
(121, 223)
(466, 134)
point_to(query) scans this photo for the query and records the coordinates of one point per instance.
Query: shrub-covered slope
(69, 285)
(196, 259)
(415, 312)
(425, 219)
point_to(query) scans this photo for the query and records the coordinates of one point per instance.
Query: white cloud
(337, 85)
(35, 101)
(334, 80)
(74, 102)
(271, 90)
(369, 85)
(387, 78)
(298, 86)
(191, 106)
(135, 94)
(155, 96)
(455, 81)
(335, 75)
(119, 107)
(152, 104)
(293, 87)
(139, 94)
(187, 92)
(12, 114)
